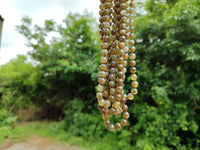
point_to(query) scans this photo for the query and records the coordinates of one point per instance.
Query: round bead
(120, 81)
(111, 98)
(135, 84)
(111, 127)
(124, 70)
(104, 52)
(133, 70)
(102, 74)
(121, 52)
(120, 67)
(112, 70)
(99, 95)
(100, 88)
(125, 56)
(131, 42)
(126, 49)
(102, 81)
(132, 63)
(121, 45)
(111, 84)
(134, 91)
(125, 107)
(112, 77)
(113, 64)
(104, 60)
(130, 96)
(119, 89)
(107, 123)
(122, 32)
(126, 115)
(118, 126)
(132, 49)
(105, 46)
(132, 56)
(123, 122)
(101, 102)
(125, 63)
(116, 104)
(120, 60)
(118, 97)
(103, 67)
(134, 77)
(107, 103)
(112, 91)
(120, 74)
(105, 93)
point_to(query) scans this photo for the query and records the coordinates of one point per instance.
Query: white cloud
(40, 10)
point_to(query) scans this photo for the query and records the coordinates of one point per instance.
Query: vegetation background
(59, 82)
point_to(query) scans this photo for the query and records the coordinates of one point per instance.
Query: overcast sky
(13, 10)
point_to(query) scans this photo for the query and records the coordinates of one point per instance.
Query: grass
(51, 130)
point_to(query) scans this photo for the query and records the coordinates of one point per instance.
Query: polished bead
(116, 104)
(112, 77)
(118, 112)
(104, 45)
(123, 122)
(105, 93)
(111, 127)
(121, 45)
(132, 4)
(131, 42)
(135, 84)
(132, 36)
(105, 117)
(121, 52)
(118, 126)
(101, 102)
(102, 74)
(123, 12)
(104, 60)
(103, 67)
(104, 52)
(132, 29)
(132, 63)
(131, 10)
(100, 88)
(113, 44)
(126, 49)
(123, 26)
(130, 96)
(102, 6)
(112, 91)
(132, 49)
(118, 97)
(133, 70)
(112, 70)
(133, 77)
(132, 56)
(134, 91)
(113, 63)
(125, 63)
(125, 56)
(107, 123)
(120, 81)
(126, 115)
(102, 81)
(111, 84)
(100, 107)
(122, 38)
(120, 67)
(114, 57)
(111, 98)
(113, 51)
(107, 103)
(124, 70)
(99, 95)
(106, 38)
(120, 60)
(125, 107)
(124, 100)
(120, 74)
(122, 32)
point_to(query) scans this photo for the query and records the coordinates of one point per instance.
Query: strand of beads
(115, 49)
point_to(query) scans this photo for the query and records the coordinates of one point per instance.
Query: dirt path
(38, 143)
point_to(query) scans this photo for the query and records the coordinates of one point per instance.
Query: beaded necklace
(116, 30)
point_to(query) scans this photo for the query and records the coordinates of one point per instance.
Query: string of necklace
(117, 34)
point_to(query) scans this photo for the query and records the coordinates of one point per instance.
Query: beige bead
(131, 42)
(125, 56)
(126, 49)
(111, 98)
(120, 81)
(100, 88)
(102, 81)
(113, 63)
(132, 56)
(120, 60)
(132, 63)
(120, 67)
(111, 84)
(120, 52)
(112, 91)
(132, 49)
(107, 123)
(120, 74)
(118, 126)
(104, 53)
(105, 93)
(135, 84)
(134, 77)
(121, 45)
(125, 107)
(99, 95)
(114, 57)
(124, 70)
(104, 60)
(116, 104)
(119, 89)
(118, 97)
(125, 63)
(112, 77)
(111, 127)
(123, 122)
(126, 115)
(122, 32)
(107, 103)
(133, 70)
(105, 46)
(134, 91)
(112, 70)
(102, 74)
(130, 96)
(103, 67)
(101, 102)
